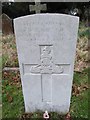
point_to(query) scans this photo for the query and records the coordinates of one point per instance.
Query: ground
(13, 104)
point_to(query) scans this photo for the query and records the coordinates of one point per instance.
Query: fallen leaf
(68, 116)
(10, 99)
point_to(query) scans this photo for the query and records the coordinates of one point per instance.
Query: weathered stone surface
(46, 45)
(7, 27)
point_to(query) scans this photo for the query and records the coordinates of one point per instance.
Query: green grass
(84, 33)
(0, 77)
(79, 105)
(12, 97)
(13, 104)
(0, 61)
(81, 77)
(83, 30)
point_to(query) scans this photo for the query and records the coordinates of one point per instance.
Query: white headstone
(46, 45)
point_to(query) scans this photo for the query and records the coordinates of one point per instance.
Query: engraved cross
(46, 69)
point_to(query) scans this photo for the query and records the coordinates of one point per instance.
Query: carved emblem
(46, 62)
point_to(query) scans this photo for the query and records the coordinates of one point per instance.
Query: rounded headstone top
(48, 15)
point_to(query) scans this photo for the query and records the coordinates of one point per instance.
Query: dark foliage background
(17, 9)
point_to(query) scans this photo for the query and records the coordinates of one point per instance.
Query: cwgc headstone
(7, 27)
(46, 45)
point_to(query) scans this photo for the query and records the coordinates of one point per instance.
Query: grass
(79, 101)
(81, 78)
(12, 97)
(0, 77)
(83, 31)
(79, 105)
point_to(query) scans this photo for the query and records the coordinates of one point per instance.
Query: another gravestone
(38, 7)
(46, 45)
(7, 27)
